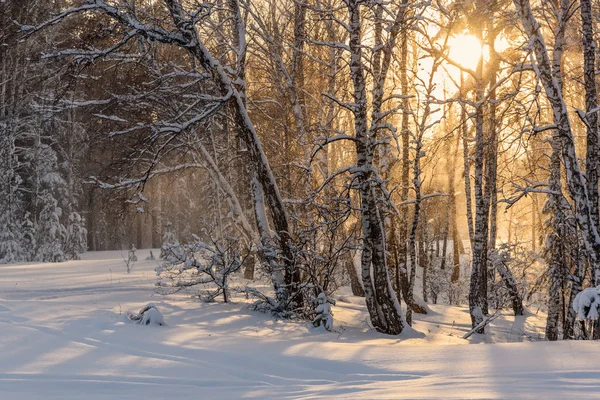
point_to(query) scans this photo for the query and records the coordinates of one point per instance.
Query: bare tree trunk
(576, 181)
(287, 290)
(575, 286)
(478, 302)
(554, 243)
(534, 222)
(451, 160)
(456, 241)
(555, 238)
(384, 308)
(424, 262)
(467, 166)
(355, 285)
(412, 239)
(591, 103)
(402, 265)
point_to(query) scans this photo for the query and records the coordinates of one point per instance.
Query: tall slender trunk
(534, 233)
(591, 102)
(555, 237)
(467, 166)
(575, 285)
(554, 243)
(412, 239)
(424, 262)
(456, 241)
(402, 265)
(492, 147)
(451, 162)
(384, 308)
(478, 302)
(576, 180)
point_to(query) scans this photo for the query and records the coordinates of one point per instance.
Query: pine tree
(11, 249)
(169, 241)
(76, 239)
(50, 233)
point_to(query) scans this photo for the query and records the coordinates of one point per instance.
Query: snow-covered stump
(148, 315)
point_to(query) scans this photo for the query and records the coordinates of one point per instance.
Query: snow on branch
(136, 182)
(523, 191)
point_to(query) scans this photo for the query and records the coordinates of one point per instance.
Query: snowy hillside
(64, 335)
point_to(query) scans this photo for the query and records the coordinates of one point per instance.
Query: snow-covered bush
(200, 267)
(586, 304)
(131, 259)
(324, 316)
(148, 315)
(438, 282)
(132, 255)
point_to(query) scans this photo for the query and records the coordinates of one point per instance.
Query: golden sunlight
(465, 50)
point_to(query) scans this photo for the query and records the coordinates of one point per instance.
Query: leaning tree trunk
(355, 285)
(511, 285)
(288, 291)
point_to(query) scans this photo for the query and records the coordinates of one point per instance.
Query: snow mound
(586, 304)
(148, 315)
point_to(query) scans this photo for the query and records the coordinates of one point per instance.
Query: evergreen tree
(50, 233)
(11, 234)
(76, 239)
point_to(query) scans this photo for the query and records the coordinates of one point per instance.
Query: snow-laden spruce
(51, 234)
(169, 242)
(324, 316)
(76, 239)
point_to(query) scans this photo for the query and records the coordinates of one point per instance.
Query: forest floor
(64, 335)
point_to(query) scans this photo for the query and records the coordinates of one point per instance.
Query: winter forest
(410, 158)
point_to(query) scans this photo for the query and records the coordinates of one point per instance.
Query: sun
(465, 50)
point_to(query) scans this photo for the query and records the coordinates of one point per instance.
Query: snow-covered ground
(63, 335)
